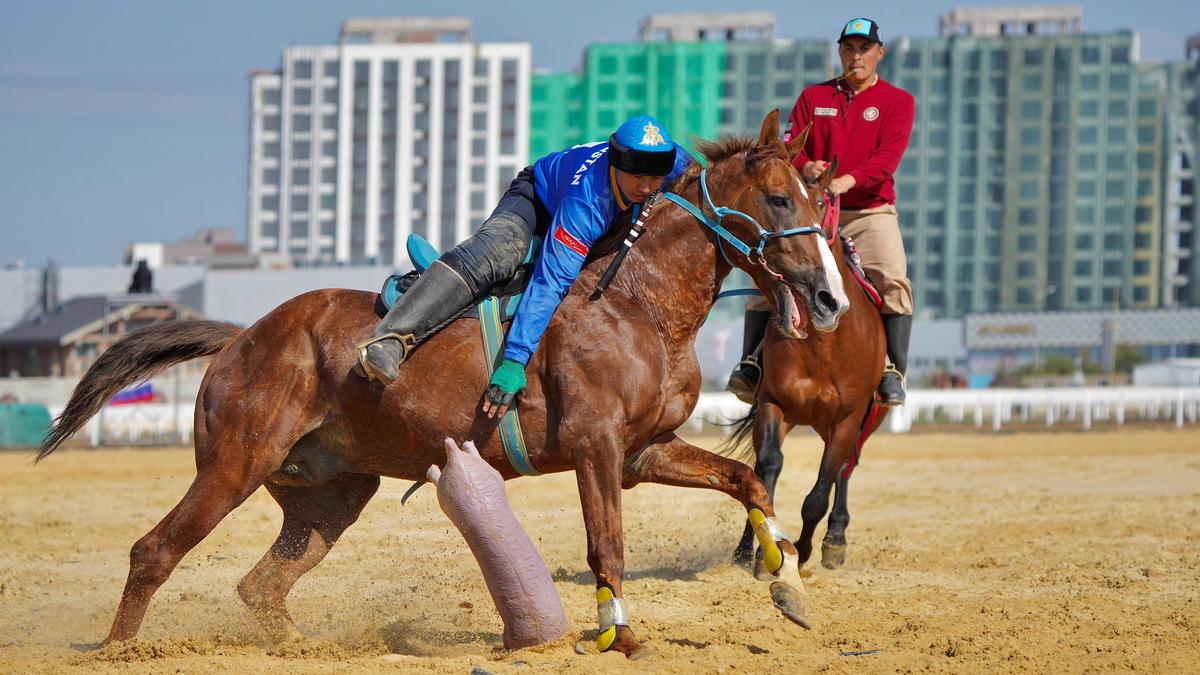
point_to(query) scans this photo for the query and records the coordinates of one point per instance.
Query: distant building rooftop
(1012, 20)
(404, 29)
(723, 26)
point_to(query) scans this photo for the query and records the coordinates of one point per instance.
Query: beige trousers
(876, 235)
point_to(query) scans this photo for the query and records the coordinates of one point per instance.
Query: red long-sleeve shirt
(868, 132)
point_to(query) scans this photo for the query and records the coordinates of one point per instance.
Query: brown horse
(613, 379)
(827, 381)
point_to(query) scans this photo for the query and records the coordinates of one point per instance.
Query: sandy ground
(1030, 552)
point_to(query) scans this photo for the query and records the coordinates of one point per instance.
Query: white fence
(982, 408)
(993, 408)
(139, 423)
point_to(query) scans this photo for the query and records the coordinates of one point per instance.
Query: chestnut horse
(826, 380)
(611, 382)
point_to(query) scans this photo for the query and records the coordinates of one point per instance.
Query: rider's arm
(576, 227)
(893, 141)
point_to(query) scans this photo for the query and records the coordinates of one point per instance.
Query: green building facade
(697, 89)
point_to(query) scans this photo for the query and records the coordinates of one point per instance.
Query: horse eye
(780, 202)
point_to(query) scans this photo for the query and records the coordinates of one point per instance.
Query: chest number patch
(871, 114)
(825, 112)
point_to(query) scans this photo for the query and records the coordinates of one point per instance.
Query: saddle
(855, 264)
(493, 312)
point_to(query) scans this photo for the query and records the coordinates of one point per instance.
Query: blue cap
(641, 146)
(864, 28)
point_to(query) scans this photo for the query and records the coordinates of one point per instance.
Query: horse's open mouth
(796, 311)
(793, 311)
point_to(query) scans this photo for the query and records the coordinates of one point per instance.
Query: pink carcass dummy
(471, 493)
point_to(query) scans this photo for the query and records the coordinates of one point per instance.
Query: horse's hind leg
(769, 431)
(313, 519)
(672, 461)
(215, 492)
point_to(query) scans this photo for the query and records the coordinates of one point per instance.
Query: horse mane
(723, 148)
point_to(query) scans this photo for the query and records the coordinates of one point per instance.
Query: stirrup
(739, 378)
(407, 344)
(890, 368)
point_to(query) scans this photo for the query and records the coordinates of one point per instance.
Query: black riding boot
(743, 383)
(436, 297)
(897, 328)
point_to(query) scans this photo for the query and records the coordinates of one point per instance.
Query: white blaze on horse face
(800, 182)
(833, 277)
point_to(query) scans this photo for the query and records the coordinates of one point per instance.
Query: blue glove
(506, 383)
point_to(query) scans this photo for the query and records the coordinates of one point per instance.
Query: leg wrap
(768, 532)
(611, 613)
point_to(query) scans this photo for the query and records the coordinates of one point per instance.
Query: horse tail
(739, 445)
(135, 357)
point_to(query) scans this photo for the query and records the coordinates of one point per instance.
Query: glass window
(270, 202)
(1147, 107)
(1031, 110)
(271, 149)
(270, 176)
(1120, 54)
(302, 95)
(302, 69)
(785, 61)
(1118, 82)
(300, 149)
(1085, 189)
(300, 176)
(1030, 164)
(1116, 161)
(301, 122)
(329, 175)
(331, 68)
(1083, 268)
(1033, 56)
(1085, 215)
(1086, 161)
(1084, 242)
(1087, 135)
(1089, 108)
(1027, 215)
(912, 59)
(299, 202)
(1117, 135)
(1031, 137)
(814, 61)
(1115, 215)
(1089, 82)
(1146, 161)
(1090, 55)
(1032, 82)
(1118, 108)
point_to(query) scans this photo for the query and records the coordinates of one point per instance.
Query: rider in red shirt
(865, 122)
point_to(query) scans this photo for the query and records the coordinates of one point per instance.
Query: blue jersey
(577, 187)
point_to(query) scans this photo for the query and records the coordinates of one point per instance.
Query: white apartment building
(404, 126)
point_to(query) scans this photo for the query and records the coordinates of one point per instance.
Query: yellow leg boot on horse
(436, 297)
(898, 329)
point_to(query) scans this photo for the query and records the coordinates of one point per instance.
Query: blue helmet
(641, 146)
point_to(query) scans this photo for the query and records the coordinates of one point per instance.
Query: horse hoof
(628, 645)
(833, 556)
(791, 603)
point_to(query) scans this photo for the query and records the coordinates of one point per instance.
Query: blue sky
(126, 121)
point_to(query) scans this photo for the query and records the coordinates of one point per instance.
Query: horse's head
(790, 261)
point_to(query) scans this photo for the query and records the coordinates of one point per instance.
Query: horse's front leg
(598, 473)
(769, 430)
(672, 461)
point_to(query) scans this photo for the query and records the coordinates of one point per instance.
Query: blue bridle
(714, 224)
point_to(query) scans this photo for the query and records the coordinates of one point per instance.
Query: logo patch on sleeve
(563, 237)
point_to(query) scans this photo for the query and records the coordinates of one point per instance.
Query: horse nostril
(827, 301)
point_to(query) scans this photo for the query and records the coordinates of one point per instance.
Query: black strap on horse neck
(635, 231)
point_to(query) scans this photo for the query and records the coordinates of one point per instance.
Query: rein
(755, 254)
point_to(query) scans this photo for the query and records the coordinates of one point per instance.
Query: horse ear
(770, 130)
(829, 174)
(796, 143)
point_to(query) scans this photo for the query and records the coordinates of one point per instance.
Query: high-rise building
(1033, 177)
(700, 74)
(1181, 269)
(404, 126)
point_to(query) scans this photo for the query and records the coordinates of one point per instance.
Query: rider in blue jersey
(570, 198)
